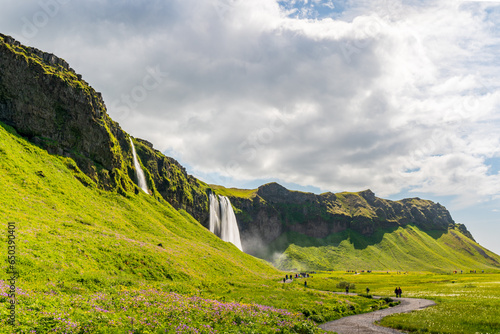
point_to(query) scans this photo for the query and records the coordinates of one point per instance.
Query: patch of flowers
(145, 311)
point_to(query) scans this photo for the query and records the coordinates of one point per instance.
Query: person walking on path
(400, 292)
(396, 291)
(347, 289)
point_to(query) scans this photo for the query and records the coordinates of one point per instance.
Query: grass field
(114, 306)
(466, 303)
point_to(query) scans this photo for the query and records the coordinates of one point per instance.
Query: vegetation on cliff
(405, 248)
(96, 233)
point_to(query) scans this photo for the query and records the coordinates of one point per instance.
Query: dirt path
(364, 323)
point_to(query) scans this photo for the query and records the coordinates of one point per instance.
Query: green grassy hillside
(404, 248)
(68, 230)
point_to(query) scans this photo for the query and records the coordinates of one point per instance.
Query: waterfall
(223, 221)
(139, 173)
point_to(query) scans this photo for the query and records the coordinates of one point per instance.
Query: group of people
(301, 275)
(398, 292)
(291, 277)
(471, 271)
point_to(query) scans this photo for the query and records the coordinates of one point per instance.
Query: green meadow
(466, 303)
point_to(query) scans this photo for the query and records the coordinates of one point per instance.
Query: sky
(400, 97)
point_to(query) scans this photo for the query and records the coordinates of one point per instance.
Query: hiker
(286, 276)
(305, 284)
(396, 291)
(346, 289)
(284, 280)
(400, 292)
(367, 291)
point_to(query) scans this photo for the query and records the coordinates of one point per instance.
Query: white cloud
(388, 96)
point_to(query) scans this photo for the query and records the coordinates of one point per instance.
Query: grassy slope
(407, 248)
(69, 230)
(234, 192)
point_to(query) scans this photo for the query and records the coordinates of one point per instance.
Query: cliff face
(274, 211)
(48, 103)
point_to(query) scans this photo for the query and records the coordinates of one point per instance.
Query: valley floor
(466, 303)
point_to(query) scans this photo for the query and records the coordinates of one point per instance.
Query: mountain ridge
(329, 213)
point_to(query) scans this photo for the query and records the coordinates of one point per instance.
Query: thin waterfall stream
(139, 173)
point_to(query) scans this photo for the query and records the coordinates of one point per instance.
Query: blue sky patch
(493, 166)
(311, 9)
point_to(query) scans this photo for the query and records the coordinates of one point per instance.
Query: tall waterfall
(223, 221)
(139, 173)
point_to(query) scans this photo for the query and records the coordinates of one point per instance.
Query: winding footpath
(364, 323)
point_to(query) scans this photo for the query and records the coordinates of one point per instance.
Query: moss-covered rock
(47, 102)
(172, 182)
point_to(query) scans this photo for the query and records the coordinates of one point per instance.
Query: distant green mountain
(358, 231)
